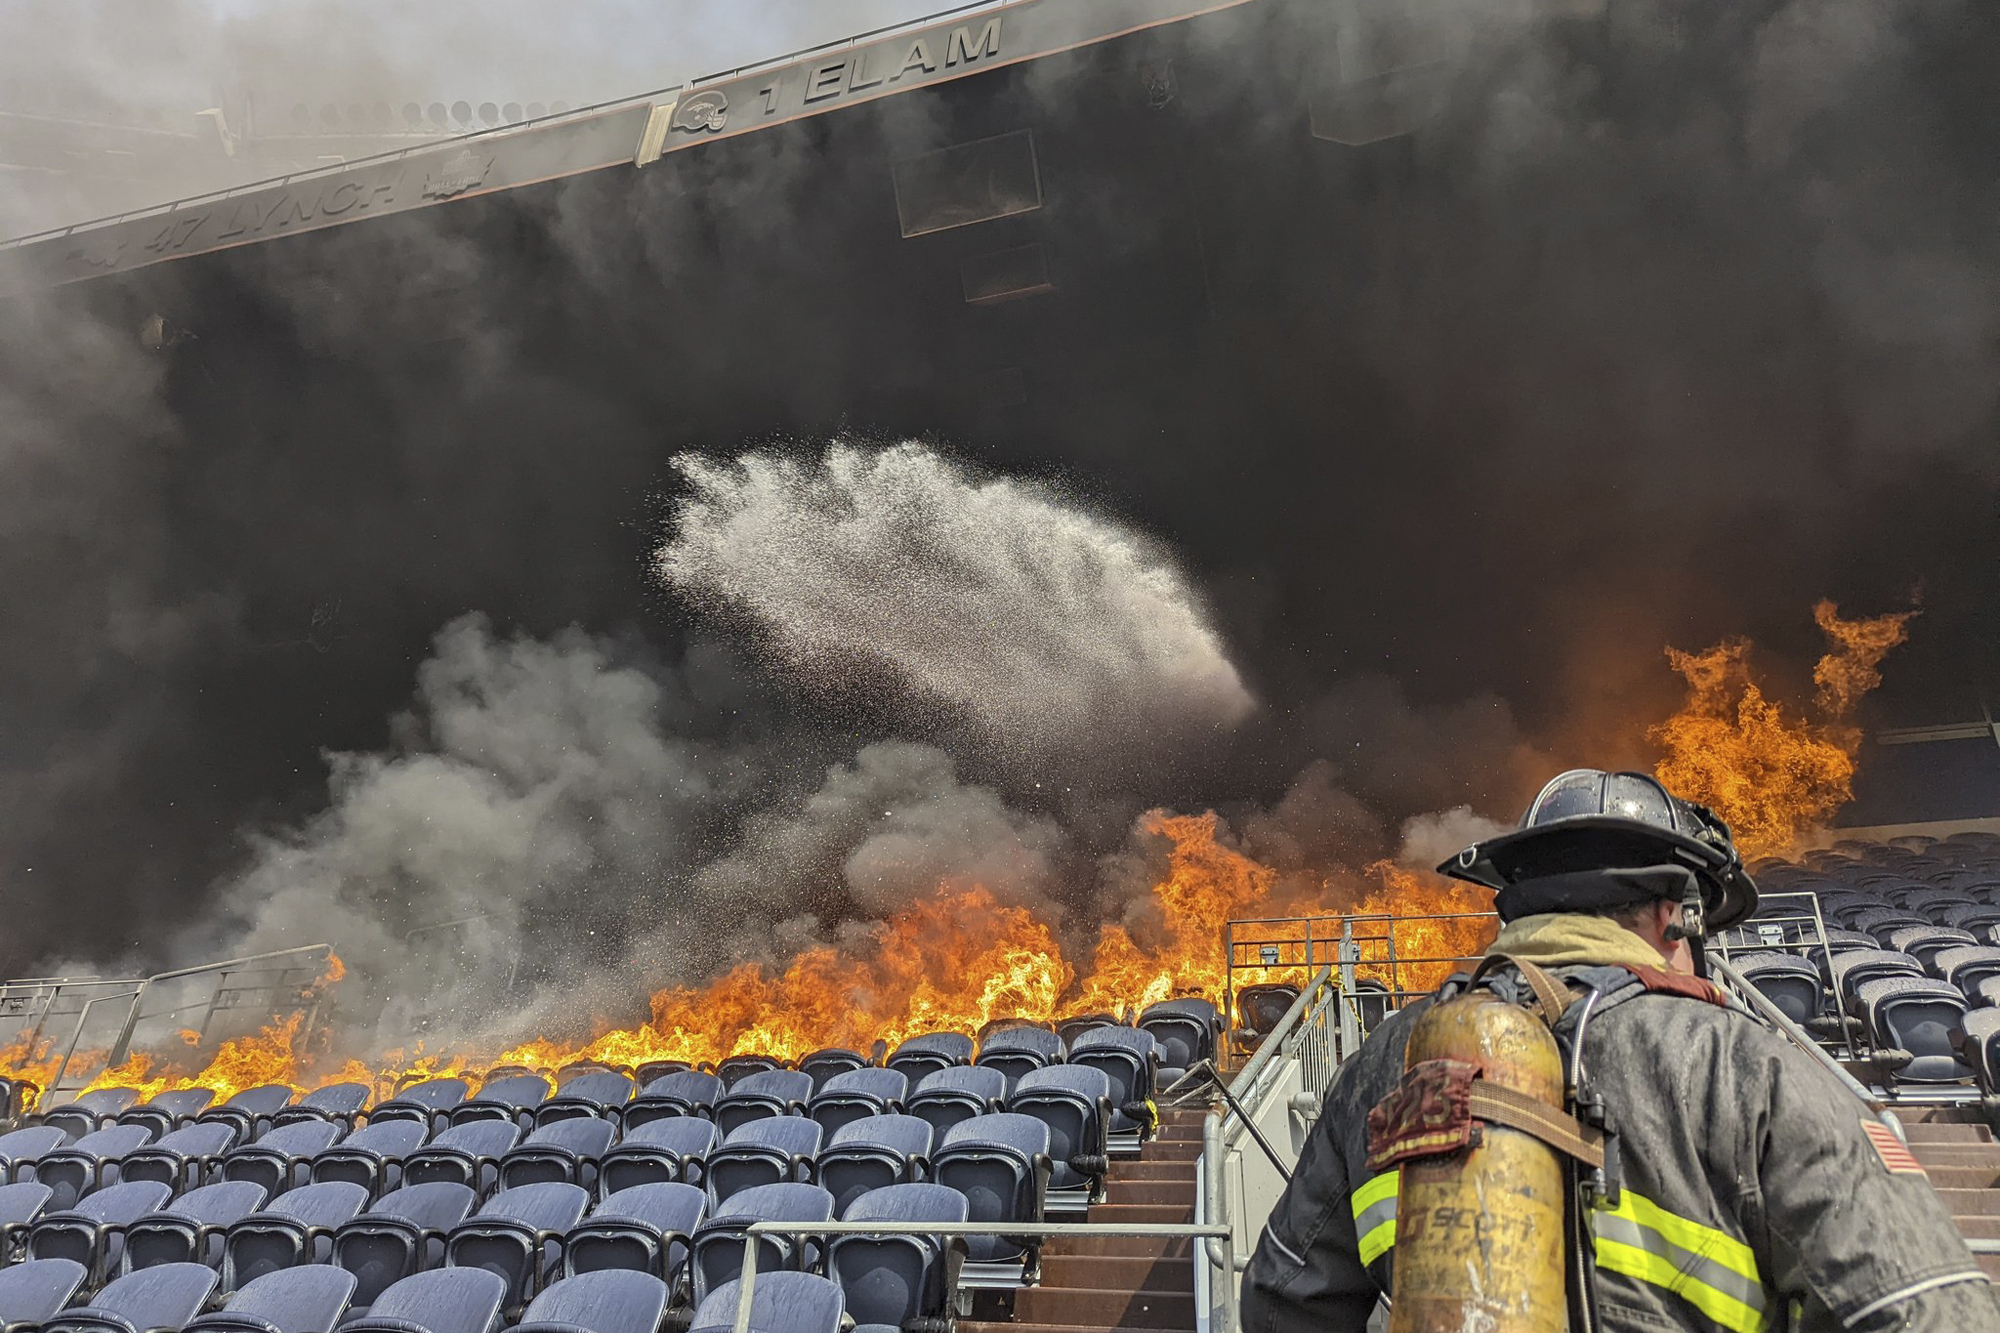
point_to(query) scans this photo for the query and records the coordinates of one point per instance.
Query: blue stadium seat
(1881, 922)
(951, 1096)
(372, 1156)
(181, 1158)
(90, 1112)
(1069, 1029)
(1075, 1103)
(1000, 1163)
(293, 1300)
(517, 1235)
(168, 1111)
(93, 1232)
(189, 1230)
(1966, 967)
(566, 1149)
(646, 1228)
(890, 1280)
(1786, 980)
(601, 1095)
(282, 1157)
(767, 1092)
(31, 1293)
(91, 1161)
(1856, 967)
(341, 1102)
(24, 1147)
(1015, 1051)
(872, 1154)
(659, 1152)
(295, 1228)
(718, 1242)
(467, 1154)
(689, 1092)
(252, 1110)
(429, 1103)
(20, 1205)
(1186, 1030)
(610, 1301)
(445, 1300)
(158, 1300)
(739, 1067)
(772, 1151)
(1925, 942)
(652, 1071)
(1979, 1047)
(857, 1094)
(1918, 1015)
(512, 1098)
(401, 1233)
(823, 1065)
(929, 1053)
(779, 1303)
(1129, 1057)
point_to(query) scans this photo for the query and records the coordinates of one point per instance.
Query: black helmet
(1589, 820)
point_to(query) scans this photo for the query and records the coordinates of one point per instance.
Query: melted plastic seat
(646, 1228)
(890, 1280)
(774, 1150)
(657, 1152)
(857, 1094)
(190, 1229)
(873, 1154)
(952, 1096)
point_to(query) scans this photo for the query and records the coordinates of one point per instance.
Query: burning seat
(295, 1228)
(93, 1232)
(403, 1233)
(372, 1156)
(1130, 1058)
(1000, 1163)
(513, 1097)
(166, 1297)
(765, 1093)
(429, 1102)
(646, 1228)
(610, 1301)
(823, 1065)
(739, 1067)
(688, 1092)
(891, 1280)
(856, 1094)
(952, 1096)
(658, 1152)
(565, 1150)
(190, 1229)
(168, 1111)
(180, 1159)
(1075, 1103)
(652, 1071)
(517, 1236)
(929, 1053)
(1016, 1051)
(252, 1111)
(31, 1293)
(601, 1095)
(718, 1242)
(90, 1162)
(770, 1151)
(281, 1158)
(446, 1300)
(780, 1303)
(873, 1154)
(466, 1155)
(1917, 1015)
(295, 1300)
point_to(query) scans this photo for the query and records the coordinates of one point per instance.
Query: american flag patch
(1894, 1154)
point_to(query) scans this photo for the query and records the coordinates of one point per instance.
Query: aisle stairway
(1101, 1283)
(1959, 1153)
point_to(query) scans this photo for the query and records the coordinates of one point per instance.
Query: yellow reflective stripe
(1375, 1215)
(1636, 1263)
(1717, 1247)
(1381, 1187)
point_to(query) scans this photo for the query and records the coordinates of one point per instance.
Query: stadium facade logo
(706, 110)
(457, 174)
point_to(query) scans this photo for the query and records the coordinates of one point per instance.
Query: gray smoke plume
(1057, 630)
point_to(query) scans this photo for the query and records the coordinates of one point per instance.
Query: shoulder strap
(1551, 996)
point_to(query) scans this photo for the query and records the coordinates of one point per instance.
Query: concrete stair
(1963, 1162)
(1130, 1284)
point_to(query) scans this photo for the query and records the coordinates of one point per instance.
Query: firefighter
(1750, 1190)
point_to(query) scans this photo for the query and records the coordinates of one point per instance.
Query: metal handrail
(122, 1047)
(1222, 1306)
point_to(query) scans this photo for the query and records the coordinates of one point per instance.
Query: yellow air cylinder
(1479, 1232)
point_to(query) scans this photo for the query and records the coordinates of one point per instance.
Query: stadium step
(1119, 1247)
(1075, 1270)
(1144, 1170)
(1095, 1307)
(1943, 1131)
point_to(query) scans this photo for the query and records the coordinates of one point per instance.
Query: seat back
(770, 1151)
(166, 1297)
(294, 1300)
(658, 1151)
(514, 1097)
(372, 1156)
(929, 1053)
(872, 1154)
(609, 1301)
(295, 1228)
(1074, 1102)
(1015, 1051)
(467, 1154)
(430, 1102)
(335, 1101)
(951, 1096)
(32, 1292)
(168, 1111)
(181, 1157)
(22, 1146)
(187, 1230)
(888, 1280)
(565, 1149)
(998, 1162)
(779, 1303)
(278, 1160)
(739, 1067)
(768, 1092)
(718, 1242)
(685, 1092)
(1786, 980)
(92, 1232)
(823, 1065)
(518, 1234)
(1128, 1057)
(587, 1095)
(1918, 1015)
(74, 1171)
(445, 1300)
(86, 1113)
(252, 1110)
(644, 1228)
(1185, 1030)
(856, 1094)
(401, 1234)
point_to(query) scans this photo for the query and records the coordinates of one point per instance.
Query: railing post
(1350, 1021)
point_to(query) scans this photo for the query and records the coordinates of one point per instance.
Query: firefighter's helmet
(1586, 821)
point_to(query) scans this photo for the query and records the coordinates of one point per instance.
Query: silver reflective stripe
(1610, 1226)
(1374, 1215)
(1898, 1297)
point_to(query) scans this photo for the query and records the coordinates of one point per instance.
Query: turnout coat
(1755, 1196)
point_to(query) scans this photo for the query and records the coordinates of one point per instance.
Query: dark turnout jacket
(1754, 1196)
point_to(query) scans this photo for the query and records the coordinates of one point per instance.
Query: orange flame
(1771, 775)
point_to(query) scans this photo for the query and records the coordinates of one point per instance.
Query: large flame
(1771, 773)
